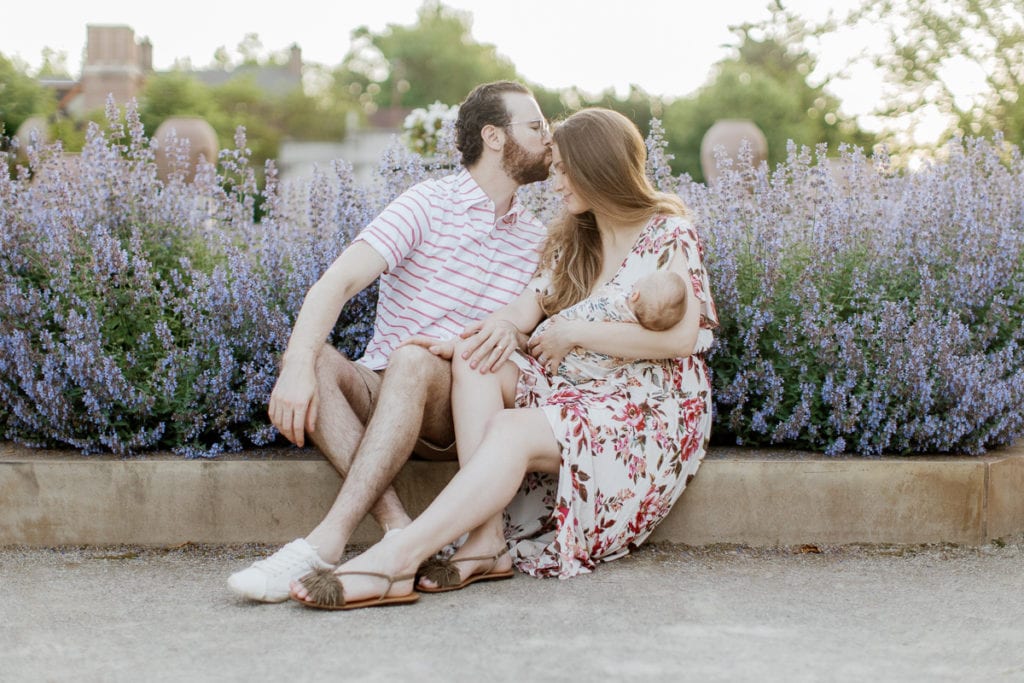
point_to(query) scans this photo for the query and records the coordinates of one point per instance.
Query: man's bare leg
(515, 442)
(414, 400)
(344, 408)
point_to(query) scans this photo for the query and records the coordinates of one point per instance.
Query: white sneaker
(268, 580)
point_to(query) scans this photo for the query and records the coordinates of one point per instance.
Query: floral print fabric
(632, 433)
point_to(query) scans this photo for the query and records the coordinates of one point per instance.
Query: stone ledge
(742, 496)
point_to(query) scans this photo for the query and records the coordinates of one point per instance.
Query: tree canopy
(21, 96)
(771, 78)
(412, 66)
(767, 82)
(933, 48)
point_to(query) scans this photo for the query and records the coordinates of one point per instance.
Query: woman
(623, 443)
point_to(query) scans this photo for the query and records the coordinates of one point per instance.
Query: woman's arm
(622, 340)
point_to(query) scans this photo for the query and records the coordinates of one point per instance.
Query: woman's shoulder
(673, 222)
(666, 230)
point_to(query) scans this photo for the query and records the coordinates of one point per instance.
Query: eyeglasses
(538, 126)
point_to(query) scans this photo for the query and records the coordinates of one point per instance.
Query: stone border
(740, 496)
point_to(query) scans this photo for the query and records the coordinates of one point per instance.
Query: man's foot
(268, 580)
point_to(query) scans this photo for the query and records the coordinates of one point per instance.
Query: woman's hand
(554, 343)
(443, 348)
(489, 343)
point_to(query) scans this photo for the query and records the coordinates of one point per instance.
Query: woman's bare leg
(476, 398)
(515, 442)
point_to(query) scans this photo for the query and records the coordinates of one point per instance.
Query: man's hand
(293, 403)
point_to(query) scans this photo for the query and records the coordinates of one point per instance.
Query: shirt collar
(467, 192)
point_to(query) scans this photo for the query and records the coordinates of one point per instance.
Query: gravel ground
(668, 612)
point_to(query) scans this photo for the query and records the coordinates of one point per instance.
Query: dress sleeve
(683, 239)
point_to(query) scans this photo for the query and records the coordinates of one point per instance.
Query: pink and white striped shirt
(449, 262)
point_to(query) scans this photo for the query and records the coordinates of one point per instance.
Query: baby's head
(658, 300)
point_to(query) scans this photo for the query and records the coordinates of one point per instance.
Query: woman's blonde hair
(605, 159)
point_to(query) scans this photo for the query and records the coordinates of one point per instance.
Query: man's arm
(293, 402)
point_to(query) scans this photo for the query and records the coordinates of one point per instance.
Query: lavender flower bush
(863, 310)
(137, 314)
(866, 310)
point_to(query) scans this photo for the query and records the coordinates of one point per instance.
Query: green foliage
(931, 45)
(241, 102)
(435, 59)
(21, 97)
(767, 83)
(174, 93)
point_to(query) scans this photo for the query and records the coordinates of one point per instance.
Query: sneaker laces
(286, 559)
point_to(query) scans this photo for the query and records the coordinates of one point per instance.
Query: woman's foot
(483, 557)
(377, 576)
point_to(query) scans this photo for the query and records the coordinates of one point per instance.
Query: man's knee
(329, 361)
(335, 373)
(419, 383)
(416, 365)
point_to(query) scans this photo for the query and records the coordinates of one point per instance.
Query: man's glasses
(538, 126)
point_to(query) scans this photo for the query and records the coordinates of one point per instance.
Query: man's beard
(523, 167)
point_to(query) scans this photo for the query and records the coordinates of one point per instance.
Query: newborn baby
(658, 300)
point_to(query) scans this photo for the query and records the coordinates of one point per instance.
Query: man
(448, 252)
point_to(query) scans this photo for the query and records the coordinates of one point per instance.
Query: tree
(174, 93)
(21, 97)
(767, 82)
(241, 102)
(55, 64)
(933, 45)
(412, 66)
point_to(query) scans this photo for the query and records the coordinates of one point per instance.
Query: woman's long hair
(605, 160)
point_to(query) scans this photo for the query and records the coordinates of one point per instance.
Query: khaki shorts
(424, 449)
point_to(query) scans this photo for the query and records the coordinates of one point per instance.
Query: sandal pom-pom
(324, 588)
(440, 572)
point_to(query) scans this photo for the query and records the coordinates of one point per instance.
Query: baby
(658, 300)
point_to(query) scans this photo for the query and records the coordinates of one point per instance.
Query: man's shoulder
(436, 191)
(455, 182)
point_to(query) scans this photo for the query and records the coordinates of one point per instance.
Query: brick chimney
(113, 65)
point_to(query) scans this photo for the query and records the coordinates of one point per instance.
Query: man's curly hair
(485, 105)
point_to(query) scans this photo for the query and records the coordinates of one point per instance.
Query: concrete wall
(738, 497)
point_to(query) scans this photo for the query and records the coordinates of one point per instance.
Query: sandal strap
(390, 579)
(493, 558)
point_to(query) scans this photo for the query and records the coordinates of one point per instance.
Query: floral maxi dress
(632, 433)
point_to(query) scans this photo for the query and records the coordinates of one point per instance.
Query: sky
(667, 47)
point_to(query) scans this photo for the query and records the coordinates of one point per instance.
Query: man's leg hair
(414, 400)
(345, 405)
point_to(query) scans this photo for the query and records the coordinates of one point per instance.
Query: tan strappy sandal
(327, 592)
(445, 574)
